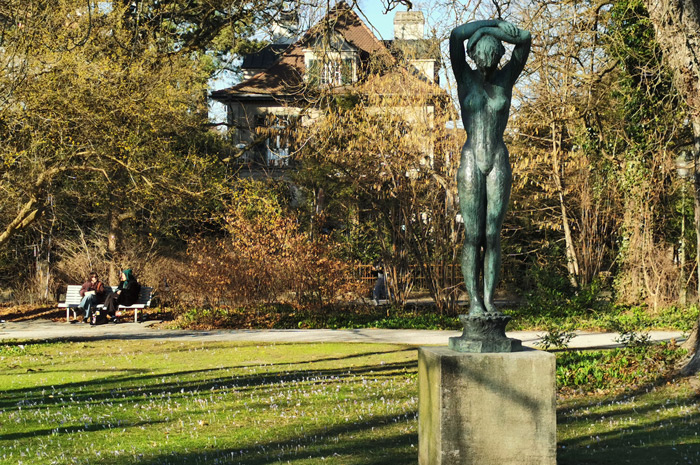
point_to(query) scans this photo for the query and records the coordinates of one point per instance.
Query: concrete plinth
(483, 409)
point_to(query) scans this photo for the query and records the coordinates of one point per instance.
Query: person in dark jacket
(93, 293)
(127, 293)
(379, 292)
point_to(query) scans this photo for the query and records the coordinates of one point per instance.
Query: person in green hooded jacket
(127, 293)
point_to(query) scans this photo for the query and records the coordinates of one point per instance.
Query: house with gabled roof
(339, 55)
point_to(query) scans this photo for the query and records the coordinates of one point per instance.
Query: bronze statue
(484, 177)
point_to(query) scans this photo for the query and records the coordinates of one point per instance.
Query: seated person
(93, 293)
(127, 293)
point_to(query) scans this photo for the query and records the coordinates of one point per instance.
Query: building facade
(283, 83)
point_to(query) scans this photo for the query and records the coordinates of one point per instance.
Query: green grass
(613, 318)
(281, 316)
(624, 406)
(601, 317)
(616, 370)
(147, 402)
(122, 402)
(655, 425)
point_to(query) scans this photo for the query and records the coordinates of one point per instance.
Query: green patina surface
(484, 178)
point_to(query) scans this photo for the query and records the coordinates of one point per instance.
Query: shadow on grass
(374, 440)
(668, 441)
(35, 433)
(642, 434)
(131, 388)
(631, 410)
(358, 443)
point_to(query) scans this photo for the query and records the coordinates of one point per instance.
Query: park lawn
(149, 402)
(122, 402)
(654, 425)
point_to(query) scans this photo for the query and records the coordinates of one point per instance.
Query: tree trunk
(571, 258)
(692, 344)
(694, 365)
(696, 193)
(29, 213)
(112, 244)
(677, 27)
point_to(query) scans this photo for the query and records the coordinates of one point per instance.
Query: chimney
(409, 25)
(286, 27)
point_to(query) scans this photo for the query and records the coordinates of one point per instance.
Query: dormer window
(331, 72)
(331, 61)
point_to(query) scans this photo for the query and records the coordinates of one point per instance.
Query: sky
(384, 23)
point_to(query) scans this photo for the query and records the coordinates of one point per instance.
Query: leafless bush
(79, 256)
(649, 276)
(84, 254)
(263, 260)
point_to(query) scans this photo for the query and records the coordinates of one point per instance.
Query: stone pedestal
(486, 408)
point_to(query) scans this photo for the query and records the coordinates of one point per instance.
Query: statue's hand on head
(510, 29)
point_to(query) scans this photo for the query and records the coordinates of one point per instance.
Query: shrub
(616, 369)
(551, 301)
(556, 337)
(632, 327)
(79, 256)
(263, 258)
(683, 319)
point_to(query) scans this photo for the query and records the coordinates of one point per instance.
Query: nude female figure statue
(484, 177)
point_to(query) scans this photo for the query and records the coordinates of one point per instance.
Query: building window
(277, 151)
(278, 145)
(331, 72)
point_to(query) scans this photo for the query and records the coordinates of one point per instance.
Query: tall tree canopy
(103, 107)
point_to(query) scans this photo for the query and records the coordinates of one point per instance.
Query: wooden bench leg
(136, 315)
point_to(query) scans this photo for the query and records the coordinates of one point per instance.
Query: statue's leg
(497, 194)
(472, 204)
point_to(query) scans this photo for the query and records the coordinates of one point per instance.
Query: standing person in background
(93, 293)
(379, 292)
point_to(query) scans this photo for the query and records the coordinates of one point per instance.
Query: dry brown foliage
(264, 258)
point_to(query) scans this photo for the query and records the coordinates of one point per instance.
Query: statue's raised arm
(498, 31)
(457, 38)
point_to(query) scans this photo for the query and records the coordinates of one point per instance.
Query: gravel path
(55, 331)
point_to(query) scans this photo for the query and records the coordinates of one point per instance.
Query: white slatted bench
(73, 300)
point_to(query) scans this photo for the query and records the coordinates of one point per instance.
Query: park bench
(73, 300)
